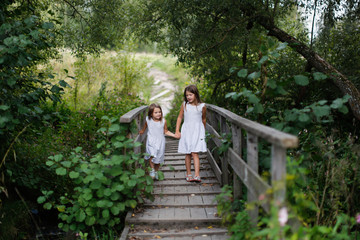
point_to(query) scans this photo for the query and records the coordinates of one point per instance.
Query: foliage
(104, 185)
(26, 41)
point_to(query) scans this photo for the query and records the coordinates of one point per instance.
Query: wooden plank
(214, 166)
(278, 173)
(129, 116)
(270, 134)
(237, 147)
(253, 162)
(249, 177)
(198, 213)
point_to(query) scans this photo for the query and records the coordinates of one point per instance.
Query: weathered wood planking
(131, 115)
(270, 134)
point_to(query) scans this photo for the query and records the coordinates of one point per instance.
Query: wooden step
(172, 216)
(183, 182)
(194, 232)
(187, 189)
(181, 167)
(190, 200)
(181, 174)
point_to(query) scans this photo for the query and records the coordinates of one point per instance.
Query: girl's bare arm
(204, 116)
(143, 129)
(167, 132)
(178, 121)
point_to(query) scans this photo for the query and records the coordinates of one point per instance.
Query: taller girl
(192, 136)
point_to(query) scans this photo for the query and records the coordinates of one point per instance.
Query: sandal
(189, 178)
(197, 179)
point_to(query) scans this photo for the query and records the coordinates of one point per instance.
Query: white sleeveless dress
(155, 143)
(193, 130)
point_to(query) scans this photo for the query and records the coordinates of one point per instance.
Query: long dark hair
(193, 89)
(152, 108)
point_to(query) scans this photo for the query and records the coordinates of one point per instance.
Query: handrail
(270, 134)
(139, 115)
(224, 121)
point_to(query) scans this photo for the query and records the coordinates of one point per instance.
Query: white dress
(155, 143)
(193, 130)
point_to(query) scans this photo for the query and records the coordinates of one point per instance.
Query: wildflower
(283, 216)
(358, 218)
(261, 197)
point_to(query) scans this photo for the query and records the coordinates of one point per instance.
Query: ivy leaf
(242, 73)
(114, 128)
(139, 172)
(271, 83)
(321, 111)
(301, 80)
(318, 76)
(73, 174)
(131, 183)
(337, 103)
(254, 75)
(115, 210)
(343, 109)
(105, 213)
(41, 199)
(4, 107)
(303, 117)
(282, 46)
(61, 171)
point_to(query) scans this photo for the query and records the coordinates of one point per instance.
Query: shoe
(197, 179)
(189, 178)
(152, 173)
(156, 175)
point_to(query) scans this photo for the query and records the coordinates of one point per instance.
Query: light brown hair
(152, 108)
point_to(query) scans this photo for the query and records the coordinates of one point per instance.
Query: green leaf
(139, 172)
(242, 73)
(254, 75)
(118, 187)
(303, 117)
(115, 210)
(321, 111)
(41, 199)
(337, 103)
(90, 220)
(114, 128)
(343, 109)
(80, 217)
(47, 206)
(116, 170)
(271, 83)
(4, 107)
(95, 184)
(132, 183)
(73, 174)
(318, 76)
(49, 163)
(61, 171)
(263, 60)
(282, 46)
(107, 192)
(301, 80)
(89, 211)
(106, 214)
(66, 164)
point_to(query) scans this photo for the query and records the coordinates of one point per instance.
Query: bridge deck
(181, 210)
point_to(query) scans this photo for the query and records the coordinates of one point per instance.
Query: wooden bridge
(183, 210)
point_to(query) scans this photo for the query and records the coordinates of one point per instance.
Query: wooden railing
(245, 134)
(137, 115)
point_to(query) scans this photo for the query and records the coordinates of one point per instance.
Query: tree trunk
(341, 81)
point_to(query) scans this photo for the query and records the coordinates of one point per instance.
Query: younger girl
(155, 143)
(192, 134)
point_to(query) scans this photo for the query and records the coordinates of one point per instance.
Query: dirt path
(163, 89)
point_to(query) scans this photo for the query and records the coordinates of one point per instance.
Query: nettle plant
(103, 186)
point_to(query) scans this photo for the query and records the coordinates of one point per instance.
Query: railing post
(252, 161)
(224, 162)
(278, 173)
(237, 146)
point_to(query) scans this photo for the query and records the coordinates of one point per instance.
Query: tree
(198, 31)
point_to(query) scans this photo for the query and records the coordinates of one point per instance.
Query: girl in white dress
(155, 143)
(192, 136)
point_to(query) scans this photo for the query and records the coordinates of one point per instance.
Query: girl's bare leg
(157, 166)
(152, 165)
(195, 156)
(188, 164)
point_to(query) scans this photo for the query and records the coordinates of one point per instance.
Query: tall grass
(116, 71)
